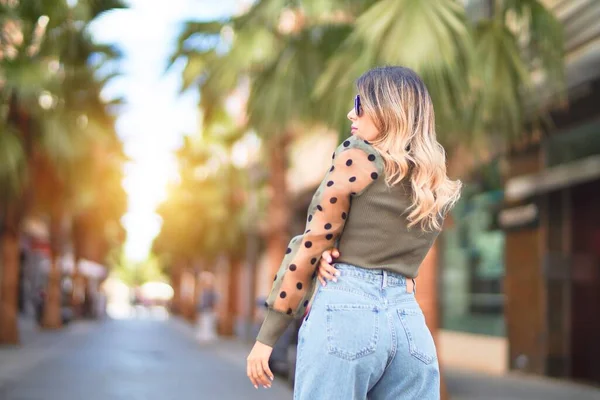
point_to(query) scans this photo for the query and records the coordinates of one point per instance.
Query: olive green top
(354, 208)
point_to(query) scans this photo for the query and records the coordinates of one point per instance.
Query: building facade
(521, 267)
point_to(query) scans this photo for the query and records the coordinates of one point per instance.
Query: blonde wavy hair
(399, 104)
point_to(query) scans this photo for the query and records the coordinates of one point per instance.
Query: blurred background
(156, 158)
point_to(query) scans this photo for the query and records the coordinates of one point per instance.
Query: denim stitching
(391, 280)
(402, 301)
(427, 359)
(370, 348)
(353, 291)
(394, 340)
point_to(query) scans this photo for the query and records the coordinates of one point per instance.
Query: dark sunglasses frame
(357, 106)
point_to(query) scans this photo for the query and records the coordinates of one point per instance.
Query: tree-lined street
(162, 154)
(155, 358)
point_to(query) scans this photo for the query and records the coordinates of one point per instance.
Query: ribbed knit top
(356, 211)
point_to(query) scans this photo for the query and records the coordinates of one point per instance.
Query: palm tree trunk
(229, 299)
(9, 248)
(78, 293)
(52, 308)
(10, 230)
(175, 307)
(279, 213)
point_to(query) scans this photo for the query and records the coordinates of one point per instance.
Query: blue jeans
(365, 338)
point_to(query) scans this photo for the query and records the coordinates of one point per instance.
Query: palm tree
(282, 56)
(203, 215)
(38, 125)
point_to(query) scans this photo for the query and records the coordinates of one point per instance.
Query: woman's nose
(351, 115)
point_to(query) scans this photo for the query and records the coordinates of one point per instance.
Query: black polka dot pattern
(274, 279)
(353, 168)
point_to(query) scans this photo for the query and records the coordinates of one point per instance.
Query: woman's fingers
(268, 373)
(261, 377)
(328, 271)
(323, 283)
(250, 373)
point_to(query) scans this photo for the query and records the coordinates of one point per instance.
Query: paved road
(130, 360)
(148, 359)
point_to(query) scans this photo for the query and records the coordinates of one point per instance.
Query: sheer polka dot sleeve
(355, 166)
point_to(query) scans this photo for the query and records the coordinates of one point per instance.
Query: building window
(472, 266)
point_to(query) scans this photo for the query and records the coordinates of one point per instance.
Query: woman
(382, 204)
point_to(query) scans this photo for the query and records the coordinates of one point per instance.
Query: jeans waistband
(380, 276)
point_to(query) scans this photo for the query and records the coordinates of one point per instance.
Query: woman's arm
(354, 168)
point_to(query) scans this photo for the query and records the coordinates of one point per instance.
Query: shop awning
(555, 178)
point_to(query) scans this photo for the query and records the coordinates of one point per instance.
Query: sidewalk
(467, 385)
(36, 346)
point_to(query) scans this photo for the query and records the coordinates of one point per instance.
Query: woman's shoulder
(355, 144)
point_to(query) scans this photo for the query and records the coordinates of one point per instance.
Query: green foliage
(12, 167)
(137, 273)
(203, 215)
(56, 132)
(479, 73)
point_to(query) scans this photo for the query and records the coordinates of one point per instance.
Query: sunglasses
(357, 106)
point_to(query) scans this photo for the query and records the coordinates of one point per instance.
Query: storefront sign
(519, 217)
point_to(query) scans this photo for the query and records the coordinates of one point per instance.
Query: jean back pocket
(352, 330)
(420, 341)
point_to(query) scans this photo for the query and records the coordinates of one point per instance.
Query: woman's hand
(257, 366)
(326, 270)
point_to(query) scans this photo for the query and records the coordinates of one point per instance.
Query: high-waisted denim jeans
(365, 338)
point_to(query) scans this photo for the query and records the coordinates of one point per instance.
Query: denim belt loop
(385, 276)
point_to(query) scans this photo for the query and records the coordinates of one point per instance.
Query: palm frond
(12, 163)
